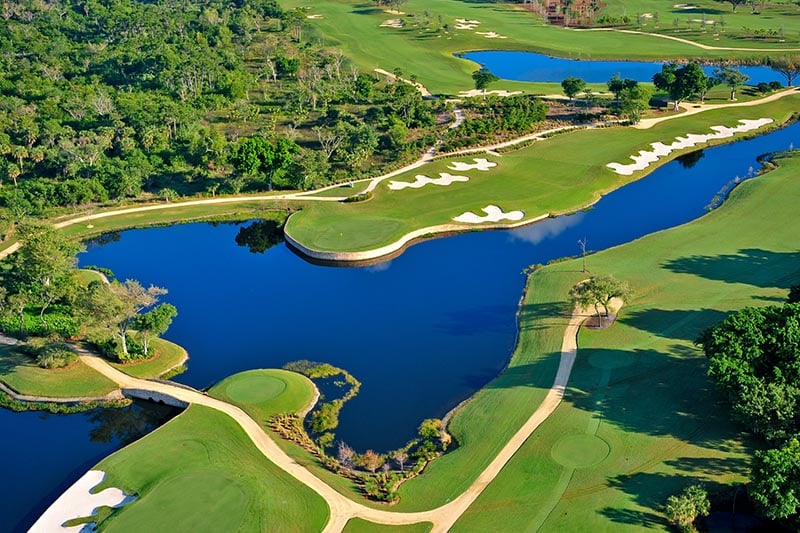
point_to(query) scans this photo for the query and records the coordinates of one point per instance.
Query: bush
(56, 355)
(111, 349)
(362, 197)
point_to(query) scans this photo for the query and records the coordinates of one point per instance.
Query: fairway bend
(342, 508)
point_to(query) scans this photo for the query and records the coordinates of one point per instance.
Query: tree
(572, 87)
(732, 78)
(154, 323)
(598, 291)
(681, 82)
(633, 102)
(400, 456)
(483, 78)
(775, 480)
(44, 256)
(788, 66)
(736, 3)
(683, 509)
(345, 455)
(257, 155)
(371, 460)
(616, 85)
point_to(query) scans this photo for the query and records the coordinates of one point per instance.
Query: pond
(422, 332)
(530, 66)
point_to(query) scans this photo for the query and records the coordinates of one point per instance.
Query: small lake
(422, 332)
(530, 66)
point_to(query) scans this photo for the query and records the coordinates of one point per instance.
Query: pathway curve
(342, 509)
(693, 43)
(693, 109)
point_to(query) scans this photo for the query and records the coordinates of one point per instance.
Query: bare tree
(345, 455)
(400, 457)
(330, 139)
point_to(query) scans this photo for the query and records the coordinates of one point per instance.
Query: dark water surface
(530, 66)
(422, 332)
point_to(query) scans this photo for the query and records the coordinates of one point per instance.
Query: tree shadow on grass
(674, 323)
(539, 374)
(544, 315)
(631, 517)
(711, 466)
(752, 266)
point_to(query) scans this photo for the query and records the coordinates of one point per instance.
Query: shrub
(56, 355)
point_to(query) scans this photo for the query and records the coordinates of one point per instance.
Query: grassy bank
(202, 471)
(639, 391)
(546, 177)
(168, 356)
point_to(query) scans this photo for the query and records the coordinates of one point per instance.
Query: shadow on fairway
(674, 323)
(752, 266)
(651, 490)
(544, 315)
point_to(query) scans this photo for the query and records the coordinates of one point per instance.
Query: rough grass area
(427, 53)
(21, 373)
(640, 386)
(167, 356)
(546, 177)
(202, 472)
(357, 525)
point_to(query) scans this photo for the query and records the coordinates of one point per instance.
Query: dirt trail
(342, 508)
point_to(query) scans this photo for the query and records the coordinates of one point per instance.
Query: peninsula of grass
(358, 525)
(266, 392)
(202, 471)
(546, 177)
(427, 53)
(168, 356)
(21, 374)
(639, 400)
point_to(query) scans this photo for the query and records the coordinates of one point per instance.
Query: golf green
(255, 388)
(579, 451)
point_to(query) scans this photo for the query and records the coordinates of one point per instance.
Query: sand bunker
(684, 6)
(314, 17)
(477, 92)
(491, 35)
(646, 157)
(466, 26)
(493, 214)
(480, 164)
(78, 502)
(422, 180)
(392, 23)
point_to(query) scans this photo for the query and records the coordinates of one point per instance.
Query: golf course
(354, 363)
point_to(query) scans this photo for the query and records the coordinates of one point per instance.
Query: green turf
(640, 386)
(167, 356)
(354, 27)
(23, 375)
(200, 472)
(543, 178)
(357, 525)
(265, 392)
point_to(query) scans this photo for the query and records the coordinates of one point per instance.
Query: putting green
(220, 505)
(608, 360)
(579, 451)
(255, 388)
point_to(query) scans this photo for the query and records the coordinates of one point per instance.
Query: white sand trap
(394, 12)
(479, 164)
(684, 6)
(422, 180)
(491, 35)
(78, 502)
(659, 149)
(466, 26)
(493, 214)
(477, 92)
(647, 15)
(392, 23)
(314, 17)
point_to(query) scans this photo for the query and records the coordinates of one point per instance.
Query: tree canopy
(598, 291)
(573, 86)
(682, 82)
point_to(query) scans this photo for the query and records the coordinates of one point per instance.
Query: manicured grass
(640, 386)
(265, 392)
(202, 473)
(85, 277)
(167, 356)
(355, 27)
(357, 525)
(546, 177)
(23, 375)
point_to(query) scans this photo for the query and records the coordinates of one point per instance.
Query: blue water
(530, 66)
(422, 332)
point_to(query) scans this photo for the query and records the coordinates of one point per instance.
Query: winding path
(692, 43)
(342, 509)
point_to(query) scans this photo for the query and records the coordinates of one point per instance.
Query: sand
(480, 164)
(493, 214)
(422, 180)
(477, 92)
(314, 17)
(78, 502)
(491, 35)
(392, 23)
(646, 157)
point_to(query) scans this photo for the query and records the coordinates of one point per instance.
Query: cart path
(342, 508)
(692, 43)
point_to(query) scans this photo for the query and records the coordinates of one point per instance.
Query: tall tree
(633, 102)
(598, 291)
(775, 480)
(257, 155)
(732, 78)
(573, 86)
(154, 323)
(681, 82)
(788, 66)
(483, 78)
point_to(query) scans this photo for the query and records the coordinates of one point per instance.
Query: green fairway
(422, 50)
(24, 376)
(546, 177)
(357, 525)
(639, 391)
(200, 472)
(265, 392)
